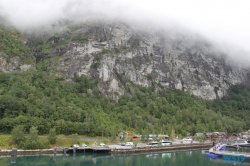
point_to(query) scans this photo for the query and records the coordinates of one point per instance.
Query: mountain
(100, 78)
(14, 54)
(121, 54)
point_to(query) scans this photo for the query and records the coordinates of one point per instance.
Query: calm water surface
(187, 158)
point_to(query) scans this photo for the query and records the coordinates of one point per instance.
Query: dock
(229, 153)
(118, 149)
(94, 149)
(16, 152)
(175, 147)
(111, 149)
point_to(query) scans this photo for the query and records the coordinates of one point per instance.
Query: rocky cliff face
(14, 64)
(119, 55)
(14, 54)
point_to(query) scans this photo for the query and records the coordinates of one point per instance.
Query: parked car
(129, 144)
(102, 144)
(123, 144)
(187, 139)
(76, 146)
(83, 145)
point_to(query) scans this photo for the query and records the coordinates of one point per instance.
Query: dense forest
(36, 98)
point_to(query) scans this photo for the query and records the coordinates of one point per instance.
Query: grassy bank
(62, 140)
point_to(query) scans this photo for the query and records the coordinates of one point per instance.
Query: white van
(129, 144)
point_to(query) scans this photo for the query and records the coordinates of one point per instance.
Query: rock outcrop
(119, 55)
(14, 54)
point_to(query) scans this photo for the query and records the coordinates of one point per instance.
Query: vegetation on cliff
(37, 99)
(12, 44)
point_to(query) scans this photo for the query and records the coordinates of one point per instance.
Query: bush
(75, 138)
(18, 135)
(52, 136)
(32, 141)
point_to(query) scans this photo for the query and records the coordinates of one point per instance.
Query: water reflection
(187, 158)
(166, 155)
(54, 157)
(230, 160)
(189, 153)
(153, 155)
(13, 159)
(221, 161)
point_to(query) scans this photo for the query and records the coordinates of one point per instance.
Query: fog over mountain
(224, 22)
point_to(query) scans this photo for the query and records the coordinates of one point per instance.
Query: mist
(224, 22)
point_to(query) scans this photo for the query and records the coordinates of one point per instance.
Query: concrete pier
(30, 152)
(14, 152)
(113, 149)
(161, 148)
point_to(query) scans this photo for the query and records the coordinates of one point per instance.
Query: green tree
(18, 135)
(143, 136)
(52, 136)
(32, 141)
(113, 134)
(74, 138)
(123, 136)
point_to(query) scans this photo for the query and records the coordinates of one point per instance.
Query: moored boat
(212, 151)
(213, 156)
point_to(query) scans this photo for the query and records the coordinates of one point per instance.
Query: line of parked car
(127, 144)
(84, 145)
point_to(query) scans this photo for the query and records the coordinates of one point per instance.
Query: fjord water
(186, 158)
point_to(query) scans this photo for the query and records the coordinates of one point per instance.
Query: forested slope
(34, 98)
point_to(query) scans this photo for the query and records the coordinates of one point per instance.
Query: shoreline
(29, 152)
(176, 147)
(61, 150)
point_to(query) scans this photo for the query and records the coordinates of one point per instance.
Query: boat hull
(213, 156)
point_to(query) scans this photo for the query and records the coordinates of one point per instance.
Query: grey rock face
(118, 54)
(13, 64)
(8, 66)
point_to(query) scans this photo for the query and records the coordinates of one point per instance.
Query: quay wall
(17, 152)
(177, 147)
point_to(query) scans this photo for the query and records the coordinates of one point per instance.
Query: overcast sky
(226, 21)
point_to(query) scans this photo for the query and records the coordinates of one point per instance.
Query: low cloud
(224, 21)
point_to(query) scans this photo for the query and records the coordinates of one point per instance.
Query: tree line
(36, 99)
